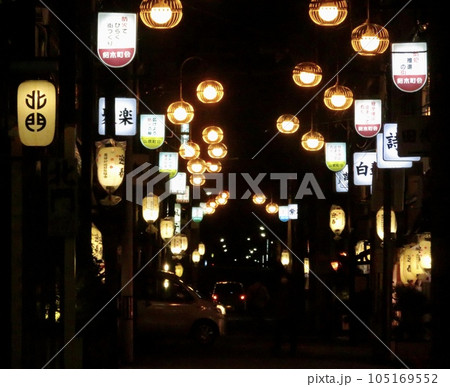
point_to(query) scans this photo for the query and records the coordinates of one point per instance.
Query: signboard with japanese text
(382, 163)
(36, 112)
(390, 142)
(152, 130)
(293, 211)
(283, 213)
(335, 155)
(168, 162)
(341, 180)
(124, 116)
(177, 184)
(177, 217)
(184, 198)
(363, 167)
(409, 66)
(116, 38)
(367, 117)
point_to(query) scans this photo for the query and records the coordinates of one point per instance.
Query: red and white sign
(409, 66)
(116, 38)
(367, 117)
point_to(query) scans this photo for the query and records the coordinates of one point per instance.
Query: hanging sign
(124, 116)
(335, 155)
(168, 162)
(341, 180)
(183, 198)
(36, 112)
(367, 117)
(197, 214)
(177, 217)
(293, 211)
(390, 142)
(382, 162)
(363, 167)
(177, 184)
(283, 213)
(116, 38)
(409, 66)
(152, 130)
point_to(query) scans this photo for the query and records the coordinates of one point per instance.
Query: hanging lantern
(380, 223)
(338, 97)
(335, 265)
(96, 243)
(285, 258)
(189, 150)
(328, 12)
(221, 200)
(213, 166)
(196, 165)
(259, 198)
(201, 248)
(150, 207)
(167, 228)
(180, 112)
(210, 91)
(217, 151)
(212, 134)
(312, 141)
(161, 14)
(197, 214)
(36, 112)
(212, 203)
(307, 74)
(110, 168)
(196, 256)
(209, 210)
(288, 123)
(176, 245)
(425, 250)
(370, 39)
(337, 220)
(197, 179)
(179, 269)
(272, 208)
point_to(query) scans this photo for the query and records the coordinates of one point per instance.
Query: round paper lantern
(167, 228)
(150, 208)
(337, 220)
(380, 223)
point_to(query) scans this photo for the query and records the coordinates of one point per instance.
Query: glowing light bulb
(328, 13)
(338, 100)
(160, 15)
(369, 42)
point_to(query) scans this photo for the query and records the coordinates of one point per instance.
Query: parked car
(167, 305)
(230, 294)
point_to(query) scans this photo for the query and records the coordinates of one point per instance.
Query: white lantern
(196, 256)
(179, 269)
(150, 207)
(167, 228)
(285, 258)
(176, 245)
(110, 168)
(337, 220)
(36, 112)
(197, 214)
(201, 248)
(380, 223)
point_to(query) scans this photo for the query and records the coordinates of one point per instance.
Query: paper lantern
(167, 228)
(150, 208)
(36, 112)
(380, 223)
(285, 258)
(196, 256)
(110, 168)
(201, 248)
(337, 220)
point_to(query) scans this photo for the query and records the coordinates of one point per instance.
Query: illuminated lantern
(307, 74)
(410, 264)
(196, 165)
(380, 223)
(110, 168)
(328, 12)
(176, 245)
(150, 207)
(196, 256)
(161, 14)
(425, 250)
(217, 151)
(335, 265)
(212, 134)
(36, 112)
(272, 208)
(201, 248)
(213, 166)
(312, 141)
(221, 200)
(180, 112)
(370, 39)
(288, 123)
(337, 220)
(285, 258)
(96, 243)
(179, 269)
(259, 198)
(210, 91)
(167, 228)
(197, 179)
(338, 97)
(189, 150)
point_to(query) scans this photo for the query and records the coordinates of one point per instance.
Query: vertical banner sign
(152, 130)
(184, 198)
(409, 66)
(342, 180)
(177, 184)
(367, 117)
(116, 38)
(293, 211)
(283, 213)
(390, 142)
(381, 150)
(36, 112)
(177, 217)
(168, 162)
(124, 116)
(335, 155)
(363, 167)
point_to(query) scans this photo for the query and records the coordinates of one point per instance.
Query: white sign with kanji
(367, 117)
(390, 145)
(409, 66)
(116, 38)
(152, 130)
(124, 116)
(363, 167)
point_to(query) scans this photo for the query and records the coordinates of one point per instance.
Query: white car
(167, 305)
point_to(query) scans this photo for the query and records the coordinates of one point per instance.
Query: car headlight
(221, 309)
